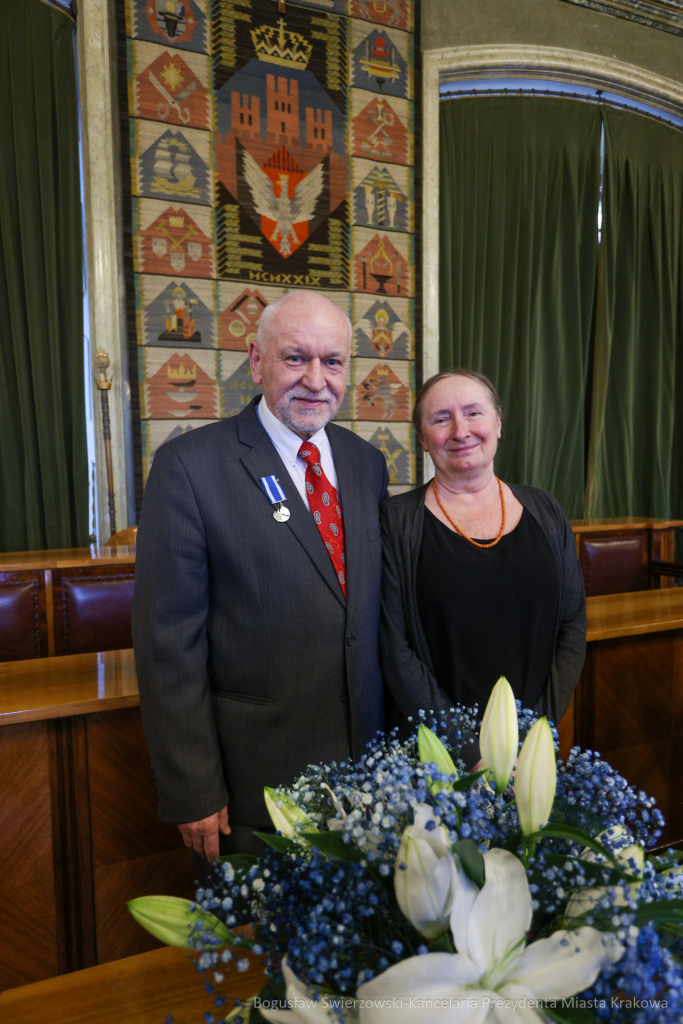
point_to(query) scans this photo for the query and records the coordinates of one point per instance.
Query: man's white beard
(306, 420)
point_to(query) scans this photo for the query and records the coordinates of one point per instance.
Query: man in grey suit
(257, 589)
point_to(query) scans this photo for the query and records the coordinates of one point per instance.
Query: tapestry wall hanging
(666, 15)
(270, 150)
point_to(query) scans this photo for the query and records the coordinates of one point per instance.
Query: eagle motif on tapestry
(283, 201)
(286, 217)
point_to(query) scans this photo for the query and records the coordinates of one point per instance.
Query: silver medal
(281, 514)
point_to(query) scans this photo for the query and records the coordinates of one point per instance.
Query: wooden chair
(123, 538)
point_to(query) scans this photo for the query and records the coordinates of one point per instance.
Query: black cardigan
(406, 663)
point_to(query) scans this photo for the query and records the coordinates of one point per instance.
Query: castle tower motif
(282, 99)
(319, 130)
(246, 115)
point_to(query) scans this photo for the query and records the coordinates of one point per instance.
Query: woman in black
(481, 578)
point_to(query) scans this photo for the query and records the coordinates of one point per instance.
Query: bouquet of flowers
(404, 889)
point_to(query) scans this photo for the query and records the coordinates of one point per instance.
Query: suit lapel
(263, 460)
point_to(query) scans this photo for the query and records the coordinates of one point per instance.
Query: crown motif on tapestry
(181, 372)
(176, 222)
(280, 46)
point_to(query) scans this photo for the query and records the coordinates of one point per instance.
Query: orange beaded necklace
(456, 527)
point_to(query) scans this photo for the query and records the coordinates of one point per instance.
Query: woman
(481, 578)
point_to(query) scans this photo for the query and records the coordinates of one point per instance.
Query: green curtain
(43, 460)
(635, 464)
(519, 196)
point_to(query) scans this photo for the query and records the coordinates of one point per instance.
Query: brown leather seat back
(92, 610)
(23, 631)
(616, 564)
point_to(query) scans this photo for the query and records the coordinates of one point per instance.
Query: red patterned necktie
(324, 504)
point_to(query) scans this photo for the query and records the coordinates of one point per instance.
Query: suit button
(345, 698)
(350, 640)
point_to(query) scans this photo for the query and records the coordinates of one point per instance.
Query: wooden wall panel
(134, 854)
(28, 911)
(629, 707)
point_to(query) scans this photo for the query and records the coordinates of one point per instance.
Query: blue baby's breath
(336, 919)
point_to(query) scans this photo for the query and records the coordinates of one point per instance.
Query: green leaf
(577, 835)
(569, 1014)
(471, 860)
(661, 912)
(332, 845)
(279, 843)
(273, 991)
(240, 861)
(466, 781)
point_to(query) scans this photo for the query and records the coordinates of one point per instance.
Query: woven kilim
(270, 151)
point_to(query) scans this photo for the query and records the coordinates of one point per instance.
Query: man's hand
(202, 836)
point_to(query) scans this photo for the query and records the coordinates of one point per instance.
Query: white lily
(433, 751)
(426, 874)
(306, 1007)
(285, 814)
(493, 977)
(629, 858)
(499, 734)
(536, 778)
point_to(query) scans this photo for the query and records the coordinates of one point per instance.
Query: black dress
(488, 612)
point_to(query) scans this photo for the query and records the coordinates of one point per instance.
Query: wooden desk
(629, 702)
(142, 989)
(79, 822)
(623, 523)
(77, 684)
(65, 558)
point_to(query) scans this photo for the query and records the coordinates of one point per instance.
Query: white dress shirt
(288, 444)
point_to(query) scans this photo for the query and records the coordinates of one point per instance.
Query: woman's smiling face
(460, 426)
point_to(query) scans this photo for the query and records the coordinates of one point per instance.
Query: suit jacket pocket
(244, 698)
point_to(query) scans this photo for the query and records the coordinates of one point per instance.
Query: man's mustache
(319, 396)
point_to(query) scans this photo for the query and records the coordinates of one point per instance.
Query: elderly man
(257, 588)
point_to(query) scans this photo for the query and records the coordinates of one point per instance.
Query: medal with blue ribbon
(275, 494)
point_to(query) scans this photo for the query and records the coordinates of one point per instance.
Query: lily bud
(433, 751)
(425, 875)
(169, 919)
(284, 813)
(536, 778)
(499, 735)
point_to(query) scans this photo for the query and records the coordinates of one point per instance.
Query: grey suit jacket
(251, 664)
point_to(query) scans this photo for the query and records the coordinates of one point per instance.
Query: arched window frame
(486, 62)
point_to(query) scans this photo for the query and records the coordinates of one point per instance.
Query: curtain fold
(519, 196)
(636, 458)
(43, 460)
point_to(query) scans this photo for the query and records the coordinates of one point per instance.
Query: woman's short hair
(429, 384)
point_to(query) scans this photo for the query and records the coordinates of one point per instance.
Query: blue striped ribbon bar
(272, 488)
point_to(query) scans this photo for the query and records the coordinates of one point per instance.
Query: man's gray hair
(263, 331)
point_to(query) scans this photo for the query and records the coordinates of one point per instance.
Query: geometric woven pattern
(271, 151)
